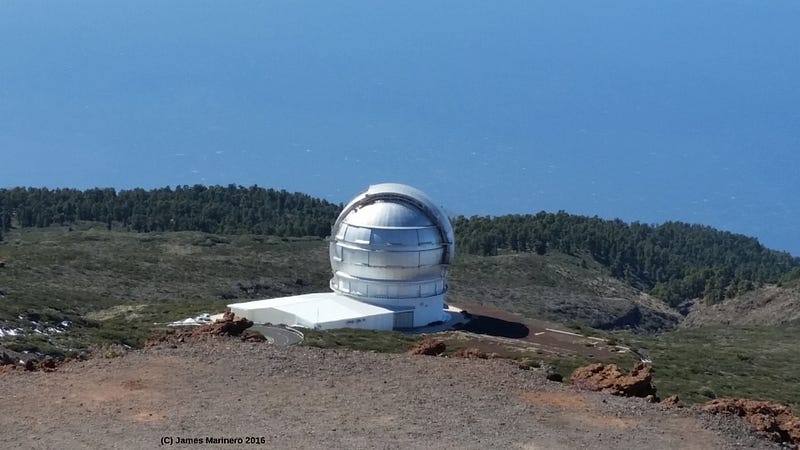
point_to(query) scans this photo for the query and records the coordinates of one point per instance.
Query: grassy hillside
(557, 287)
(768, 305)
(673, 261)
(71, 289)
(113, 286)
(724, 361)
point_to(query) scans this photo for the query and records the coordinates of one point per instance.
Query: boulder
(771, 420)
(429, 347)
(229, 325)
(609, 378)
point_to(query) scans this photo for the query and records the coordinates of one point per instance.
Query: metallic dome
(392, 246)
(382, 214)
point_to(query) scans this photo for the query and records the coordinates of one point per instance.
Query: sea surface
(645, 111)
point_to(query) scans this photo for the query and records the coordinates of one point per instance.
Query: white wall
(376, 322)
(428, 310)
(276, 316)
(267, 315)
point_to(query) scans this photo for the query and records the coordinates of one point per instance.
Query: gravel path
(311, 398)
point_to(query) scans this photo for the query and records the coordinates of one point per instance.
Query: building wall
(360, 288)
(276, 316)
(377, 322)
(426, 310)
(265, 315)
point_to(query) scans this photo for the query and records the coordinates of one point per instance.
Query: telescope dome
(392, 246)
(383, 214)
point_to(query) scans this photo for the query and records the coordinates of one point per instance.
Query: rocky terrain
(300, 397)
(768, 419)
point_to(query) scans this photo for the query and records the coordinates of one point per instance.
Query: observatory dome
(392, 246)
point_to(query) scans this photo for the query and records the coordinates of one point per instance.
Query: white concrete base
(330, 310)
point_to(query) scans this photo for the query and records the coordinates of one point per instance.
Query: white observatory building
(390, 251)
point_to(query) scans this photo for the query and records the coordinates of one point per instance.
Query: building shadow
(492, 326)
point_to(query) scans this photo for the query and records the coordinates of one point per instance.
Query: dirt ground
(301, 397)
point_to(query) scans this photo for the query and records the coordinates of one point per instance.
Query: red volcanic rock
(229, 325)
(772, 420)
(608, 378)
(672, 400)
(429, 347)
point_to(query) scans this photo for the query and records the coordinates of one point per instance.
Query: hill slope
(557, 287)
(108, 286)
(673, 261)
(767, 306)
(112, 286)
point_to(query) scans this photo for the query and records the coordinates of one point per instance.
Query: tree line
(674, 261)
(212, 209)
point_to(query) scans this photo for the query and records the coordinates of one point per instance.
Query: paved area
(282, 337)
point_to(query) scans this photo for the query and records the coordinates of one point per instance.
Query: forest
(673, 261)
(211, 209)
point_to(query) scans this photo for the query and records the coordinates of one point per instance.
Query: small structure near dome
(390, 251)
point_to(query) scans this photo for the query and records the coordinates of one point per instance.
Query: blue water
(648, 111)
